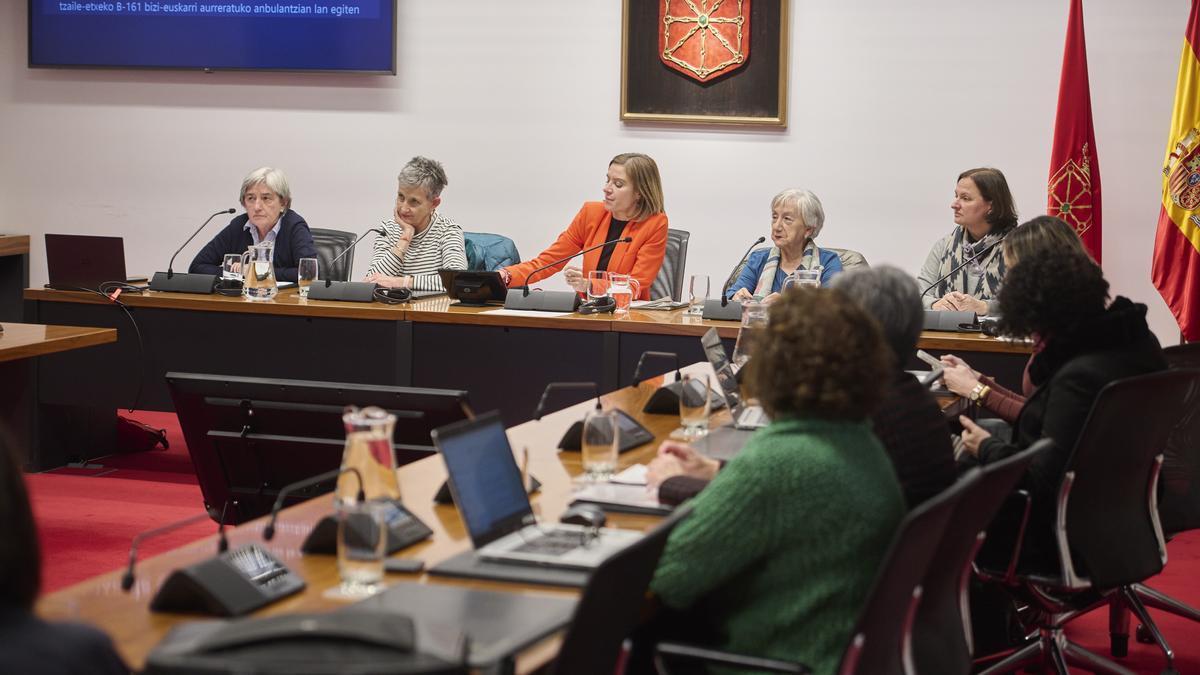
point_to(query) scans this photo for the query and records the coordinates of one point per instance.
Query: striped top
(439, 246)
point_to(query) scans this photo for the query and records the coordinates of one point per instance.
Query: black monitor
(474, 288)
(248, 437)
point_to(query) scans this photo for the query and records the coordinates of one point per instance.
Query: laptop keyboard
(554, 542)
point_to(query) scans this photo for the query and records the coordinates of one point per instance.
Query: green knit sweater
(784, 544)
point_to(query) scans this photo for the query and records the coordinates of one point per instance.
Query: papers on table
(626, 492)
(524, 312)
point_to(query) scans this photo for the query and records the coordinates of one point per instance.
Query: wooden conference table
(20, 346)
(135, 630)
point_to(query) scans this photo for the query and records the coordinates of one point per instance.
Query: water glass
(698, 288)
(597, 285)
(306, 274)
(695, 405)
(601, 438)
(361, 542)
(231, 266)
(622, 288)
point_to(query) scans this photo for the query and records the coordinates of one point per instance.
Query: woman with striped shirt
(418, 241)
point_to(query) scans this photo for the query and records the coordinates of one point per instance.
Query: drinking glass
(698, 288)
(601, 435)
(306, 274)
(231, 266)
(597, 285)
(694, 405)
(623, 287)
(754, 319)
(361, 542)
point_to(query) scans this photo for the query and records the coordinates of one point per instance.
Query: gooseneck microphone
(376, 230)
(975, 256)
(564, 386)
(738, 270)
(127, 580)
(171, 265)
(622, 240)
(269, 530)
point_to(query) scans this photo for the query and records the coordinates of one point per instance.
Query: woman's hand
(743, 295)
(575, 279)
(388, 282)
(964, 302)
(949, 360)
(770, 298)
(680, 459)
(407, 232)
(973, 435)
(943, 305)
(505, 276)
(960, 379)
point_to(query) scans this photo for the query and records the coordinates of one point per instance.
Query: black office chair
(330, 244)
(611, 604)
(669, 281)
(881, 640)
(1107, 532)
(942, 640)
(1178, 503)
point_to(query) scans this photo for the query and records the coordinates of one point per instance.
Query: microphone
(738, 270)
(376, 230)
(187, 283)
(127, 580)
(222, 541)
(622, 240)
(269, 530)
(968, 261)
(171, 265)
(564, 386)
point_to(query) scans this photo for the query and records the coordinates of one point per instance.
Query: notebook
(75, 261)
(744, 416)
(487, 487)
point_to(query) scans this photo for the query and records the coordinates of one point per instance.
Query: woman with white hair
(419, 240)
(268, 217)
(796, 220)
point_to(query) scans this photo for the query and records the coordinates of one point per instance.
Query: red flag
(1175, 270)
(1073, 192)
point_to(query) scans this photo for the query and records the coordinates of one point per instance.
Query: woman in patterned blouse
(419, 240)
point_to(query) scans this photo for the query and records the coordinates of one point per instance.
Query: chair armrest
(680, 652)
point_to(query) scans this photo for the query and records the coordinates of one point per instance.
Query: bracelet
(979, 392)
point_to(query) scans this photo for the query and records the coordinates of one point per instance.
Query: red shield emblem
(704, 38)
(1183, 181)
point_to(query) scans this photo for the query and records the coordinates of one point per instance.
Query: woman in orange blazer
(632, 207)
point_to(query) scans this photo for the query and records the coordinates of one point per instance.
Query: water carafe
(258, 271)
(754, 319)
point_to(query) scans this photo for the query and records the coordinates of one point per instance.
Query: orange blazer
(640, 258)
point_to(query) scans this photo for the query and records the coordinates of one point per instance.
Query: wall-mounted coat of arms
(704, 39)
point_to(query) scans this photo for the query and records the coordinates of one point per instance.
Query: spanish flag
(1176, 267)
(1073, 191)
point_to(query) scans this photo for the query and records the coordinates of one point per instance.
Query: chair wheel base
(1119, 645)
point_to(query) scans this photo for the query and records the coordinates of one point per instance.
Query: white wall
(888, 102)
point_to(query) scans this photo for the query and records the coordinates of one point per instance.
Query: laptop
(491, 498)
(75, 261)
(744, 416)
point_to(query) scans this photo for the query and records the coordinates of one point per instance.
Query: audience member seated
(1060, 297)
(1044, 233)
(29, 645)
(909, 423)
(269, 217)
(796, 219)
(632, 207)
(984, 211)
(419, 240)
(784, 544)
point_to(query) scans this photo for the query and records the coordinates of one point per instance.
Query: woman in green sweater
(784, 544)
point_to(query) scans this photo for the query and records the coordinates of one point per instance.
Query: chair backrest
(1179, 485)
(330, 244)
(942, 640)
(669, 281)
(850, 259)
(1111, 521)
(487, 251)
(611, 604)
(885, 621)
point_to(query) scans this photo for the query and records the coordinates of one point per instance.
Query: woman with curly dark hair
(28, 644)
(784, 543)
(1059, 298)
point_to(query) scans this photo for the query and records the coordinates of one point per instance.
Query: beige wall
(888, 102)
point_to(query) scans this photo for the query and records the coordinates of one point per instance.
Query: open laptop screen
(484, 477)
(722, 366)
